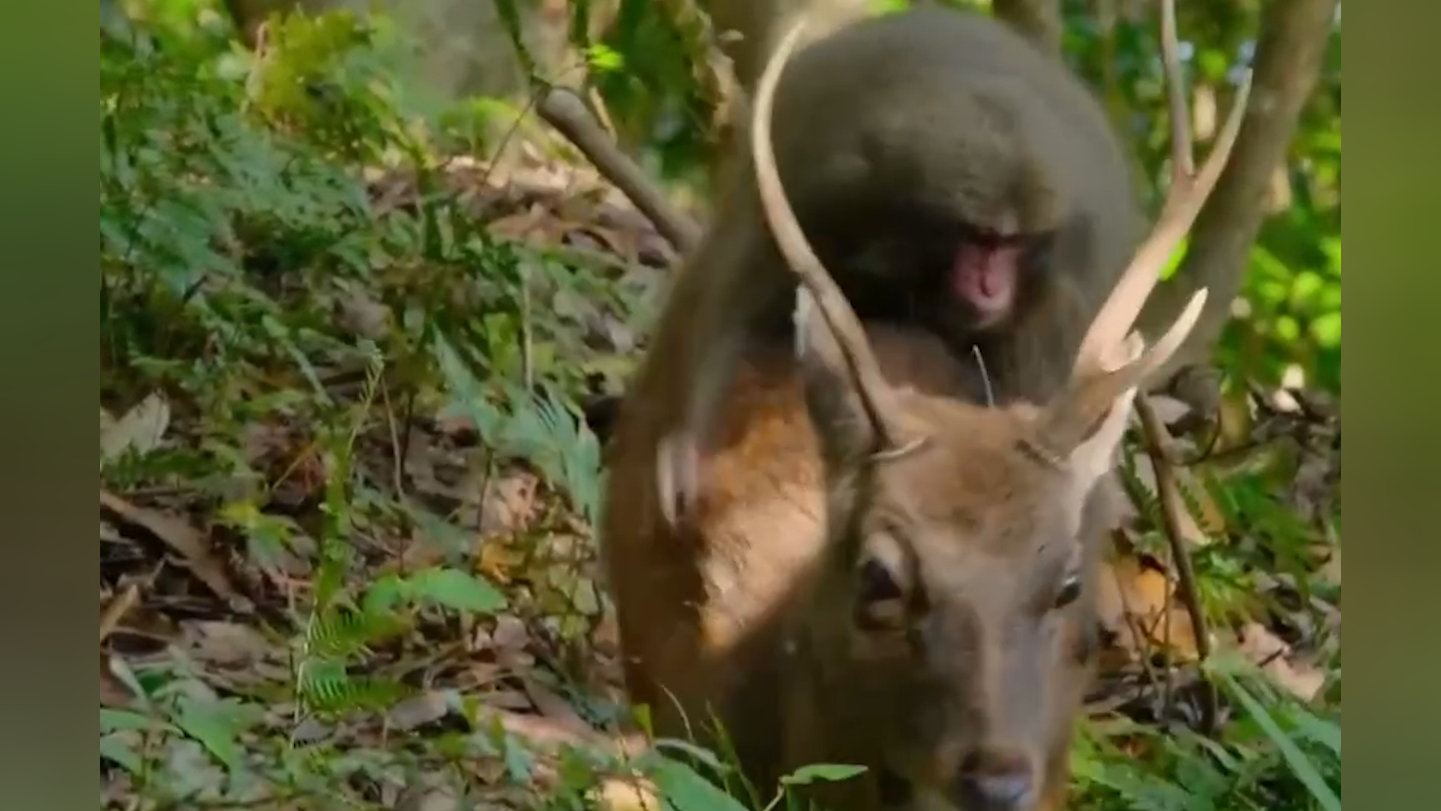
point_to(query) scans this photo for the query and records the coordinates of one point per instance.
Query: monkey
(951, 175)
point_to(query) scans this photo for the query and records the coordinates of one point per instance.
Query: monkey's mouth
(984, 275)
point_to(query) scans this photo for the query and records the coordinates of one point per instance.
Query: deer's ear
(846, 434)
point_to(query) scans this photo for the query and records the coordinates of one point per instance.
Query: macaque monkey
(950, 175)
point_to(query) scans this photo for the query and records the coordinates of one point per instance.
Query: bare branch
(1288, 60)
(1185, 199)
(565, 111)
(1037, 20)
(1183, 158)
(1158, 440)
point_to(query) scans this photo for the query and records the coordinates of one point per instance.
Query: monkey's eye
(1070, 591)
(879, 598)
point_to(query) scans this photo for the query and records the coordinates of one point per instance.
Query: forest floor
(346, 543)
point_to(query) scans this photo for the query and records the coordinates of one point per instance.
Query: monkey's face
(959, 280)
(984, 275)
(984, 281)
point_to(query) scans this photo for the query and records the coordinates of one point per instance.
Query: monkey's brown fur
(901, 139)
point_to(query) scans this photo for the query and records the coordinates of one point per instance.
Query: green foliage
(236, 221)
(1279, 753)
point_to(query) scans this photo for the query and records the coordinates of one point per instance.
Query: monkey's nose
(997, 784)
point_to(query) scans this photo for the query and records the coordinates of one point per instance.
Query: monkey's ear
(846, 435)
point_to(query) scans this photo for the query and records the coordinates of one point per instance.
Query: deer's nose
(997, 782)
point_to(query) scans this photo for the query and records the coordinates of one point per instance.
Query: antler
(845, 327)
(1109, 342)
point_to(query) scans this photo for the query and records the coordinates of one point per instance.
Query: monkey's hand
(678, 476)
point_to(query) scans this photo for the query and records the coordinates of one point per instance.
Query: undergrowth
(294, 326)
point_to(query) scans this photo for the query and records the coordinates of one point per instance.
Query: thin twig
(1140, 638)
(567, 113)
(397, 451)
(1169, 494)
(117, 608)
(1183, 159)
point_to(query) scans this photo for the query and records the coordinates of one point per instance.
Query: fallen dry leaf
(507, 501)
(113, 692)
(423, 708)
(1169, 409)
(117, 608)
(509, 641)
(362, 315)
(185, 541)
(140, 429)
(626, 794)
(428, 798)
(229, 645)
(1132, 594)
(1273, 655)
(555, 707)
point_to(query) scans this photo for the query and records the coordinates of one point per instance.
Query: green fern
(537, 428)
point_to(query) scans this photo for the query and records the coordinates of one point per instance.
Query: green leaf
(1301, 765)
(115, 720)
(1326, 330)
(688, 791)
(699, 753)
(827, 772)
(385, 594)
(1320, 730)
(456, 589)
(604, 59)
(214, 727)
(114, 748)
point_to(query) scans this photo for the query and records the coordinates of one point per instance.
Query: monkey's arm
(740, 283)
(733, 290)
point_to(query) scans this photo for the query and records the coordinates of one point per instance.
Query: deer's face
(955, 620)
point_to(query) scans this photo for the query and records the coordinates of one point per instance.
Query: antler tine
(1187, 195)
(836, 311)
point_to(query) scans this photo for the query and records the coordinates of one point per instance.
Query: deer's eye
(1069, 592)
(880, 601)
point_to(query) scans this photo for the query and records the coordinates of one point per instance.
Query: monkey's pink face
(984, 276)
